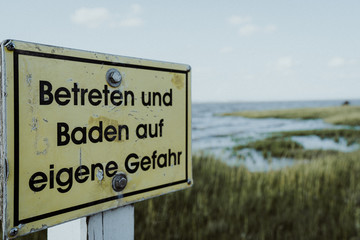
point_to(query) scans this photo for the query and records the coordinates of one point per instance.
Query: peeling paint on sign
(68, 133)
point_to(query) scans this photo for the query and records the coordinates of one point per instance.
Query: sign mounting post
(86, 132)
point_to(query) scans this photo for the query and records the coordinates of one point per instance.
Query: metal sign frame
(13, 224)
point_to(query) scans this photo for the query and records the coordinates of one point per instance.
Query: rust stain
(106, 121)
(94, 121)
(178, 81)
(43, 145)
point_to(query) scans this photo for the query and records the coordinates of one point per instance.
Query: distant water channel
(216, 135)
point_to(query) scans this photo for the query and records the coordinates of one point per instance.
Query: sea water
(217, 135)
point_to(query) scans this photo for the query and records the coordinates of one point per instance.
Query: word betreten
(80, 96)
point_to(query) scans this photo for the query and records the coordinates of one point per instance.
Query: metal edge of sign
(3, 145)
(3, 118)
(112, 198)
(68, 53)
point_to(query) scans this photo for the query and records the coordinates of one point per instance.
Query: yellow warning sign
(85, 132)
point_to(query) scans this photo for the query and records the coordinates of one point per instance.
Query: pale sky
(238, 50)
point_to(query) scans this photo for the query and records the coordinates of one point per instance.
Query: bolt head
(13, 232)
(122, 183)
(119, 182)
(10, 46)
(113, 77)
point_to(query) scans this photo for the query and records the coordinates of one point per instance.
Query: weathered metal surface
(1, 135)
(68, 132)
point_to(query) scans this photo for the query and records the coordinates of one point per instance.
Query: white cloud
(226, 50)
(336, 62)
(91, 17)
(136, 8)
(102, 17)
(236, 20)
(285, 62)
(270, 28)
(248, 29)
(131, 22)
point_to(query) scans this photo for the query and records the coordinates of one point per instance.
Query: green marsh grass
(284, 147)
(341, 115)
(281, 145)
(350, 135)
(317, 200)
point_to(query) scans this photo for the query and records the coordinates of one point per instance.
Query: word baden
(63, 179)
(96, 134)
(84, 96)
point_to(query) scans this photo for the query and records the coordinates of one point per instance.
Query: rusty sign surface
(84, 132)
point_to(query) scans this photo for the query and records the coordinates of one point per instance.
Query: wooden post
(112, 224)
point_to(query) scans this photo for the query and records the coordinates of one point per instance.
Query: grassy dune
(318, 200)
(333, 115)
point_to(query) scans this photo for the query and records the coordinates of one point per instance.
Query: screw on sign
(119, 182)
(10, 46)
(113, 77)
(14, 232)
(65, 111)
